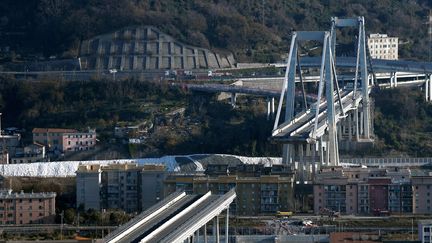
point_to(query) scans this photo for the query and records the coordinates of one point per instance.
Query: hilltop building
(64, 140)
(382, 46)
(29, 154)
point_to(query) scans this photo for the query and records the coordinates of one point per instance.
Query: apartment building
(425, 231)
(64, 140)
(29, 154)
(382, 46)
(362, 190)
(26, 208)
(260, 190)
(422, 193)
(9, 144)
(130, 187)
(88, 186)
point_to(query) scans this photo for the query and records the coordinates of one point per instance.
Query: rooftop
(52, 130)
(8, 194)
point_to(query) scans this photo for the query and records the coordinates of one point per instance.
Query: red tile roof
(52, 130)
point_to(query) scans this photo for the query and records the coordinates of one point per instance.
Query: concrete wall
(146, 48)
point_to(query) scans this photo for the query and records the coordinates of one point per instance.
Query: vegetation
(252, 29)
(403, 122)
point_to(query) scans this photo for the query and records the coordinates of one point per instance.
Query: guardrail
(387, 161)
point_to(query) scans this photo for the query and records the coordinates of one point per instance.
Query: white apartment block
(383, 47)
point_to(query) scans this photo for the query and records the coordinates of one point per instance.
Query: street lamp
(113, 71)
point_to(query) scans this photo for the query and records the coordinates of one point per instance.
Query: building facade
(64, 140)
(422, 194)
(363, 190)
(29, 154)
(27, 208)
(260, 190)
(382, 46)
(88, 187)
(129, 187)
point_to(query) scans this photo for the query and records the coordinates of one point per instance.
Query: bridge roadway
(156, 221)
(379, 65)
(301, 128)
(174, 219)
(166, 231)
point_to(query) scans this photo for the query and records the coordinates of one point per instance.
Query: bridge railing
(384, 161)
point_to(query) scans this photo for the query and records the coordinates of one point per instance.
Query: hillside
(401, 121)
(254, 30)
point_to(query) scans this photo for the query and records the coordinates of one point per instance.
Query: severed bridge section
(340, 116)
(177, 218)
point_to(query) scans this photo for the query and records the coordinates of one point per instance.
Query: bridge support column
(268, 108)
(272, 106)
(350, 129)
(288, 155)
(301, 163)
(315, 163)
(216, 228)
(227, 225)
(233, 99)
(205, 233)
(429, 78)
(308, 161)
(356, 124)
(428, 88)
(321, 152)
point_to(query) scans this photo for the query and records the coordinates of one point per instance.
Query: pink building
(63, 140)
(366, 190)
(27, 208)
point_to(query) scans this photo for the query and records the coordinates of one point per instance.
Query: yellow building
(260, 190)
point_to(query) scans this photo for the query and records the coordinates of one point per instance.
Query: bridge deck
(300, 129)
(148, 226)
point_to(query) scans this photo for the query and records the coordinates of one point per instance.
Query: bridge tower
(362, 126)
(295, 152)
(311, 138)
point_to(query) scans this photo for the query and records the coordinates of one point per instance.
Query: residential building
(152, 177)
(260, 190)
(363, 190)
(65, 140)
(8, 146)
(29, 154)
(130, 187)
(422, 193)
(425, 231)
(88, 187)
(354, 237)
(382, 46)
(78, 141)
(27, 208)
(120, 187)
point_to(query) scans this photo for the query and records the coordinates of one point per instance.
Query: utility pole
(61, 224)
